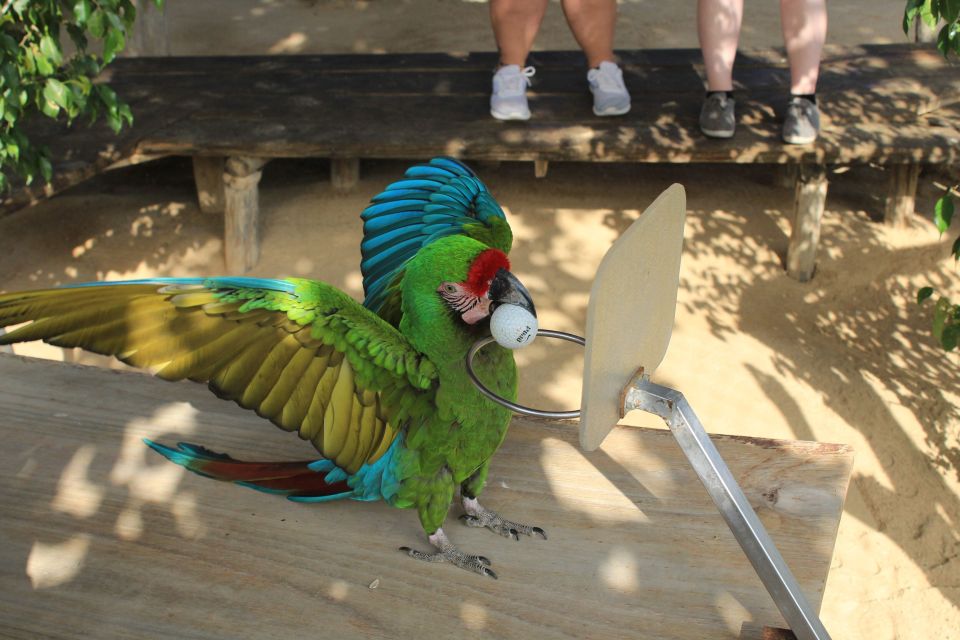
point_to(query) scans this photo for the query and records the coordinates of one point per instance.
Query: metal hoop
(519, 408)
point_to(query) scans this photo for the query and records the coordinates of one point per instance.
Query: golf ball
(512, 326)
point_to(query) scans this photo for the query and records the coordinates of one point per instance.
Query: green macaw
(379, 389)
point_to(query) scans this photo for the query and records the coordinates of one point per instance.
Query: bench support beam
(344, 174)
(208, 176)
(811, 196)
(242, 213)
(901, 194)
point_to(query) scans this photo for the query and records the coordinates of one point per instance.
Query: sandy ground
(846, 358)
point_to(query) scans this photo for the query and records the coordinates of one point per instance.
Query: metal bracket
(715, 475)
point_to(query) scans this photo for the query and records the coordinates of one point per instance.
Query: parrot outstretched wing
(434, 200)
(298, 352)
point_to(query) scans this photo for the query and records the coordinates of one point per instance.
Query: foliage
(946, 315)
(931, 12)
(40, 76)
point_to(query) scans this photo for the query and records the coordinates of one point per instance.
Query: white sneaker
(610, 97)
(509, 98)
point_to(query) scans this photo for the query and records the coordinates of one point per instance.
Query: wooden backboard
(631, 311)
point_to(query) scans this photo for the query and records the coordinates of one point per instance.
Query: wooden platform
(894, 105)
(104, 539)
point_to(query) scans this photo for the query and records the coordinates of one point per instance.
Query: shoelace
(517, 83)
(608, 79)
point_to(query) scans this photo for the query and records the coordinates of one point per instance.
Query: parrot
(379, 388)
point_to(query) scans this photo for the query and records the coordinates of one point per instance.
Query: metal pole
(756, 543)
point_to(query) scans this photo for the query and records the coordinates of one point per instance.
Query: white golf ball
(512, 326)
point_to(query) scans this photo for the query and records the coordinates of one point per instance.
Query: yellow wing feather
(260, 358)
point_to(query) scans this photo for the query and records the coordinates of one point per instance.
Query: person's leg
(718, 26)
(515, 25)
(804, 24)
(592, 23)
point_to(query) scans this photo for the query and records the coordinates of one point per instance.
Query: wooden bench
(104, 539)
(890, 105)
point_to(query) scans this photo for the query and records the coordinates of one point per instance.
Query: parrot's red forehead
(485, 266)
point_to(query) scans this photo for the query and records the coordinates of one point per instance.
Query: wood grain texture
(809, 203)
(104, 539)
(881, 103)
(901, 194)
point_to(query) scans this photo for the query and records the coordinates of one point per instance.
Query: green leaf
(940, 312)
(951, 336)
(943, 212)
(955, 250)
(57, 93)
(950, 10)
(41, 61)
(910, 14)
(930, 13)
(81, 11)
(97, 23)
(943, 40)
(112, 45)
(51, 49)
(923, 294)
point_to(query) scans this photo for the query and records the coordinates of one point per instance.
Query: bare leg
(515, 25)
(592, 23)
(804, 24)
(718, 26)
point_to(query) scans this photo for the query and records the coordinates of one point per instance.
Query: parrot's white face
(490, 286)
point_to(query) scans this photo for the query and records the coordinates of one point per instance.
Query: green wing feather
(311, 360)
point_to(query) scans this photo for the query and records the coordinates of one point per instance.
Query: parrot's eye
(449, 288)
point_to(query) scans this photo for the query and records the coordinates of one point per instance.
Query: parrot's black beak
(505, 288)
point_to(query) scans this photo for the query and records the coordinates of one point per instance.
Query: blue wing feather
(433, 200)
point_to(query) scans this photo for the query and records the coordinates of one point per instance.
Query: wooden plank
(901, 194)
(98, 531)
(811, 197)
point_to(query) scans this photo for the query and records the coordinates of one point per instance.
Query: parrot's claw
(446, 552)
(479, 516)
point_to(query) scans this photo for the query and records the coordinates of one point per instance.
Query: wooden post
(540, 167)
(149, 34)
(811, 196)
(242, 213)
(901, 194)
(786, 175)
(344, 174)
(208, 176)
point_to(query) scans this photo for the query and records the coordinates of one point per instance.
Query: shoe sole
(499, 115)
(616, 111)
(797, 140)
(717, 133)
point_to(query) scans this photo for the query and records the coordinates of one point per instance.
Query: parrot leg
(447, 552)
(479, 516)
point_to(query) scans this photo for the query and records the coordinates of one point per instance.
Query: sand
(845, 358)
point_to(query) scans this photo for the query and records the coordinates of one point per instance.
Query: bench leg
(208, 176)
(808, 212)
(786, 175)
(540, 168)
(242, 213)
(901, 194)
(344, 174)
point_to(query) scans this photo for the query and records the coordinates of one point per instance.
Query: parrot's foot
(479, 516)
(446, 552)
